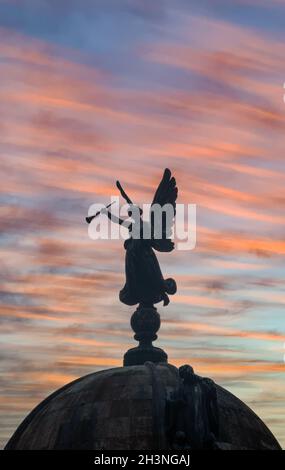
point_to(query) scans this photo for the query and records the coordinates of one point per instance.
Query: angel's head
(134, 211)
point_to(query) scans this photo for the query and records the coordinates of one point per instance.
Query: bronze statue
(145, 284)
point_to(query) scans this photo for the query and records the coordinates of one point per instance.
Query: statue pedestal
(145, 322)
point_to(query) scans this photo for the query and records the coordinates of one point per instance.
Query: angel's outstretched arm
(117, 220)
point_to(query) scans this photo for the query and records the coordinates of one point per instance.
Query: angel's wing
(166, 193)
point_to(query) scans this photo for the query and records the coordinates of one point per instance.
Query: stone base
(139, 355)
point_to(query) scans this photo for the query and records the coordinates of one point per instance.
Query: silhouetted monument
(148, 404)
(145, 284)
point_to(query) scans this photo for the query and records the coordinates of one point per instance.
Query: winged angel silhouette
(144, 280)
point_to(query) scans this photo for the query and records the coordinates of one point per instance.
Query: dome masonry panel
(142, 407)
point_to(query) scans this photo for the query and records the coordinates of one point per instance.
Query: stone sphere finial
(145, 322)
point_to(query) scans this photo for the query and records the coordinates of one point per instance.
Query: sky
(94, 91)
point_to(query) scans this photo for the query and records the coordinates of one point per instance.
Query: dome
(150, 406)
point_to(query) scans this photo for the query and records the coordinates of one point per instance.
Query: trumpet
(91, 217)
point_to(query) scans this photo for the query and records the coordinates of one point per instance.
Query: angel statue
(145, 284)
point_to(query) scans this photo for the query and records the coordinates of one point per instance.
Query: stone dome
(138, 407)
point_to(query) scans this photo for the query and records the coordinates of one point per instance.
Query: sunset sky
(98, 90)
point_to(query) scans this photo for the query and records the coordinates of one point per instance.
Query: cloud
(75, 119)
